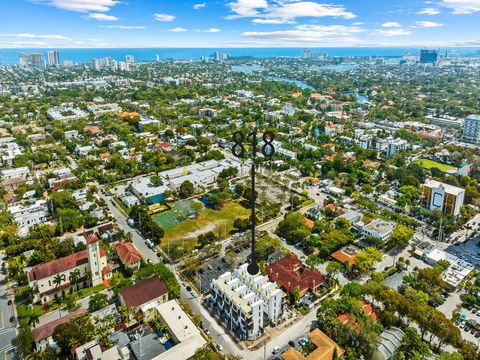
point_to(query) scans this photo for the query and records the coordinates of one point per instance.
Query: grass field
(428, 164)
(218, 221)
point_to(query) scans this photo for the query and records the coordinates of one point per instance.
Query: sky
(238, 23)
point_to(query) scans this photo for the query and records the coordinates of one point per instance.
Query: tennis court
(168, 219)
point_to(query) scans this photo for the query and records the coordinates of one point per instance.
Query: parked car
(276, 350)
(291, 343)
(219, 347)
(477, 334)
(303, 341)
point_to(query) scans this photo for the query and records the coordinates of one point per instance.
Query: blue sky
(238, 23)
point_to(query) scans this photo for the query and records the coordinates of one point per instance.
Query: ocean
(84, 55)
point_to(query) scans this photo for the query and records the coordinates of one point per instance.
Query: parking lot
(298, 343)
(468, 333)
(468, 251)
(209, 272)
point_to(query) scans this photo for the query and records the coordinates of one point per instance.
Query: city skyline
(238, 23)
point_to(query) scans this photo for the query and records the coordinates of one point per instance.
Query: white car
(276, 350)
(219, 347)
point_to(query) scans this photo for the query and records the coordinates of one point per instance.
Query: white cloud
(199, 6)
(272, 21)
(163, 17)
(428, 24)
(211, 30)
(294, 10)
(80, 5)
(392, 32)
(246, 8)
(102, 17)
(391, 24)
(123, 27)
(25, 43)
(34, 36)
(310, 34)
(429, 11)
(177, 29)
(462, 6)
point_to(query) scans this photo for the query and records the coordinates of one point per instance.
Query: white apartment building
(16, 172)
(365, 141)
(471, 129)
(27, 216)
(391, 146)
(242, 302)
(9, 150)
(379, 229)
(66, 112)
(395, 146)
(102, 109)
(91, 261)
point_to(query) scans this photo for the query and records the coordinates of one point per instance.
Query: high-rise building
(124, 66)
(96, 64)
(428, 56)
(445, 197)
(307, 53)
(471, 129)
(53, 58)
(31, 60)
(130, 59)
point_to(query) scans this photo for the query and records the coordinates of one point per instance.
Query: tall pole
(253, 267)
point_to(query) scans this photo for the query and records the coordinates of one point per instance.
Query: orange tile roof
(285, 273)
(310, 224)
(92, 129)
(350, 321)
(128, 253)
(123, 114)
(329, 207)
(343, 257)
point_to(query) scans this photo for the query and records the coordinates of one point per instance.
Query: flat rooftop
(380, 226)
(449, 189)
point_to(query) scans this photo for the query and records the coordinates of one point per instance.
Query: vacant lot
(218, 221)
(428, 164)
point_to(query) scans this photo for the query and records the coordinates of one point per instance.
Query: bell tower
(94, 259)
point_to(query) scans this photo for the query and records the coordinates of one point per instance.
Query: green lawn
(428, 164)
(218, 221)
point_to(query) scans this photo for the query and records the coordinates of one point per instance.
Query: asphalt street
(7, 329)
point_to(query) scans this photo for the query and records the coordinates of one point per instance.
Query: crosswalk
(7, 349)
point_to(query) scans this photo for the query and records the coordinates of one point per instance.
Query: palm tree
(58, 279)
(74, 277)
(33, 319)
(87, 275)
(31, 292)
